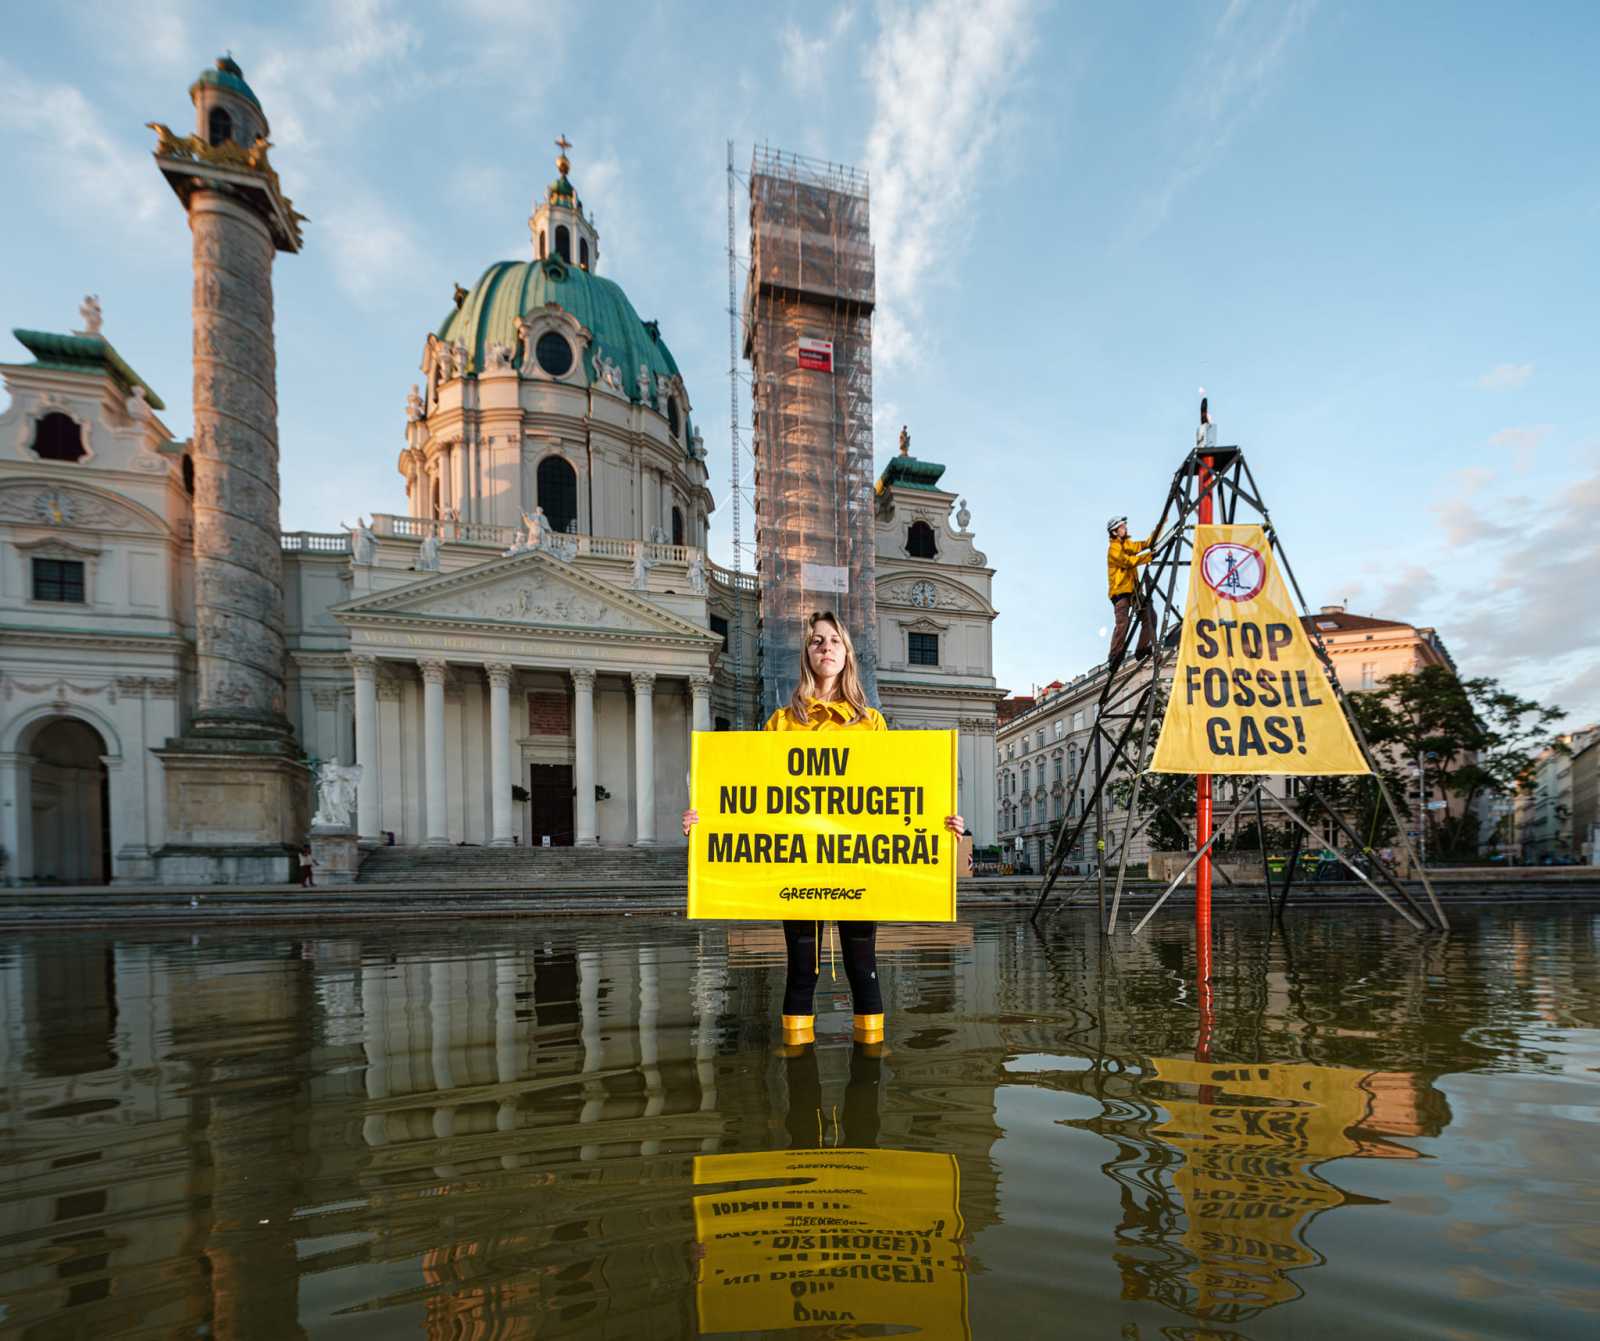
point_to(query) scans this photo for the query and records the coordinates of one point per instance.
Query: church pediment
(531, 590)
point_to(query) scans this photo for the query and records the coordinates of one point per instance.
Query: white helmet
(1114, 523)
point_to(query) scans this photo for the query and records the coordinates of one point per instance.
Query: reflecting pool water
(589, 1129)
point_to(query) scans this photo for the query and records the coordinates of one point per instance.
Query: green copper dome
(510, 290)
(227, 74)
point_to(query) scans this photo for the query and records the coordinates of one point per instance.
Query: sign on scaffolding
(825, 577)
(816, 355)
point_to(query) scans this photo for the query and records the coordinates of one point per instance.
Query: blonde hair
(849, 682)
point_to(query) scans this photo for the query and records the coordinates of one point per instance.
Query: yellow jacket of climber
(1123, 558)
(832, 715)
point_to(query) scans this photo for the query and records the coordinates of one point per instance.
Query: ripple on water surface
(588, 1129)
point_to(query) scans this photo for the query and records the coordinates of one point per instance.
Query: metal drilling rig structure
(808, 337)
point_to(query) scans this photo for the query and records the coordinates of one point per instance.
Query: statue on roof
(89, 310)
(905, 441)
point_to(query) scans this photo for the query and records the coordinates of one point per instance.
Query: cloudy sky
(1369, 230)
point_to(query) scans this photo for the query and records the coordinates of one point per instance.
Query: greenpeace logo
(821, 892)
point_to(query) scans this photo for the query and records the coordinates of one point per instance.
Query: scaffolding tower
(808, 337)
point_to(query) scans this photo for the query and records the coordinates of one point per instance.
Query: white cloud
(1506, 377)
(806, 59)
(1521, 444)
(940, 75)
(1233, 75)
(1512, 591)
(81, 170)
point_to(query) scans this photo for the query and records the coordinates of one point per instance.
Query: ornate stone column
(237, 795)
(585, 821)
(499, 753)
(238, 561)
(364, 670)
(700, 691)
(436, 831)
(644, 759)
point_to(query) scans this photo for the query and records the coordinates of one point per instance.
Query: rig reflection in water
(587, 1129)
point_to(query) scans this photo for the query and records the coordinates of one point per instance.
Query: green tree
(1474, 737)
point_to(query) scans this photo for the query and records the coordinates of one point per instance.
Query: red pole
(1202, 805)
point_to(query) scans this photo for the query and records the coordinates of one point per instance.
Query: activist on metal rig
(829, 698)
(1123, 557)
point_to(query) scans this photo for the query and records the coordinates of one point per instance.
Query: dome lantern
(558, 226)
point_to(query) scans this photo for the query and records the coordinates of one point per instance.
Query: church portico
(521, 699)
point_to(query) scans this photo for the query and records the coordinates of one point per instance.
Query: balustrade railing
(568, 544)
(316, 542)
(728, 578)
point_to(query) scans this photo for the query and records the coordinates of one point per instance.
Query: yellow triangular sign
(1248, 693)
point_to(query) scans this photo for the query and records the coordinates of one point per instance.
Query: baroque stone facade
(517, 656)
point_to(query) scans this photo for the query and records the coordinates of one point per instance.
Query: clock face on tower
(54, 507)
(923, 594)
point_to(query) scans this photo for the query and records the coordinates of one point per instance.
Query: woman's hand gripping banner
(825, 825)
(1248, 693)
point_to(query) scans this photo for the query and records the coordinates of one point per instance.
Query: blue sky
(1368, 229)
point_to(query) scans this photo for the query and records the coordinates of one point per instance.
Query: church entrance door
(550, 804)
(71, 804)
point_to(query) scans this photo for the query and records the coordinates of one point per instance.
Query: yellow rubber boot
(868, 1029)
(798, 1030)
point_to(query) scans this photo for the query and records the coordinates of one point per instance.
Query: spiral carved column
(238, 563)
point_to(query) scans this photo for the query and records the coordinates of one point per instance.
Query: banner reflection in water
(841, 1234)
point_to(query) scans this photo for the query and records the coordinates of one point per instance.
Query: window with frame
(1061, 728)
(922, 649)
(1059, 767)
(58, 580)
(1077, 720)
(1369, 674)
(920, 543)
(719, 626)
(57, 437)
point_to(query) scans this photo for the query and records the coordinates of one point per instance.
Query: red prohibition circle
(1246, 554)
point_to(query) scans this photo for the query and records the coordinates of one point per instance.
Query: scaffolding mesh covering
(808, 312)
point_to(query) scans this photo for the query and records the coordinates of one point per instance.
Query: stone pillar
(700, 691)
(237, 794)
(16, 815)
(585, 821)
(365, 672)
(499, 754)
(238, 558)
(435, 825)
(644, 759)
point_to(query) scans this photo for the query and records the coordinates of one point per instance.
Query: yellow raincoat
(1123, 558)
(834, 715)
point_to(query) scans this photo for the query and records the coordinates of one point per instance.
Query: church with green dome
(516, 656)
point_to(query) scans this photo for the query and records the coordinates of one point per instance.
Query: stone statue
(363, 544)
(697, 446)
(444, 361)
(658, 535)
(641, 569)
(428, 555)
(498, 357)
(905, 441)
(89, 310)
(607, 373)
(137, 407)
(644, 384)
(462, 358)
(697, 574)
(336, 795)
(963, 516)
(414, 404)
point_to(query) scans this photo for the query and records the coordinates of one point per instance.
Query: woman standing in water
(829, 697)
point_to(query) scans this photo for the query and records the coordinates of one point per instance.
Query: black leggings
(858, 944)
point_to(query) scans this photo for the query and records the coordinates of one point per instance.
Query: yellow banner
(1248, 693)
(818, 1238)
(823, 824)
